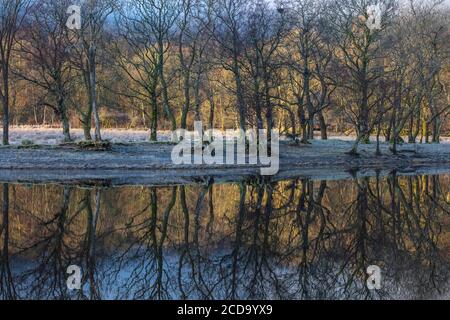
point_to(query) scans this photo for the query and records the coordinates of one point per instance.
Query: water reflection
(297, 239)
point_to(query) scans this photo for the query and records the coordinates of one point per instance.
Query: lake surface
(295, 239)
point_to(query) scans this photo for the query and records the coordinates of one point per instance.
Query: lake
(255, 239)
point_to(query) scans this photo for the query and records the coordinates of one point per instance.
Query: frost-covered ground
(53, 136)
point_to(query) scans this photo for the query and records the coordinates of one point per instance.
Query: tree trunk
(64, 120)
(303, 122)
(86, 117)
(394, 121)
(417, 129)
(258, 105)
(86, 123)
(306, 127)
(154, 116)
(93, 91)
(364, 107)
(388, 132)
(436, 130)
(311, 127)
(426, 132)
(240, 98)
(187, 99)
(411, 138)
(323, 127)
(212, 107)
(5, 121)
(165, 92)
(5, 102)
(354, 150)
(378, 152)
(269, 112)
(197, 98)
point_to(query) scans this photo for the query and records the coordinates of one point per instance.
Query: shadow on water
(293, 239)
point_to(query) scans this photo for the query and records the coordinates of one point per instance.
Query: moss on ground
(88, 145)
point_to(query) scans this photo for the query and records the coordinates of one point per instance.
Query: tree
(264, 30)
(310, 60)
(46, 58)
(429, 33)
(416, 59)
(193, 42)
(137, 59)
(147, 28)
(94, 15)
(12, 14)
(228, 33)
(361, 58)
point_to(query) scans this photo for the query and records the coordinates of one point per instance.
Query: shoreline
(114, 178)
(150, 164)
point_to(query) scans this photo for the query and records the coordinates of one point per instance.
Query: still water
(296, 239)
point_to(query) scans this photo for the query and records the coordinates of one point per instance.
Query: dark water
(295, 239)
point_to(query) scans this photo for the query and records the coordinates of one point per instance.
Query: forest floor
(132, 161)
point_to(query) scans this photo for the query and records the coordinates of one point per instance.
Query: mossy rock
(28, 144)
(95, 145)
(89, 145)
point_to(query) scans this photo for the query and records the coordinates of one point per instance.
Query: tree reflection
(7, 287)
(45, 277)
(259, 239)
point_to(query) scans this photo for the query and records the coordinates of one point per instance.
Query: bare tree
(136, 56)
(147, 27)
(94, 15)
(12, 14)
(427, 27)
(265, 30)
(361, 59)
(229, 34)
(193, 42)
(309, 62)
(46, 58)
